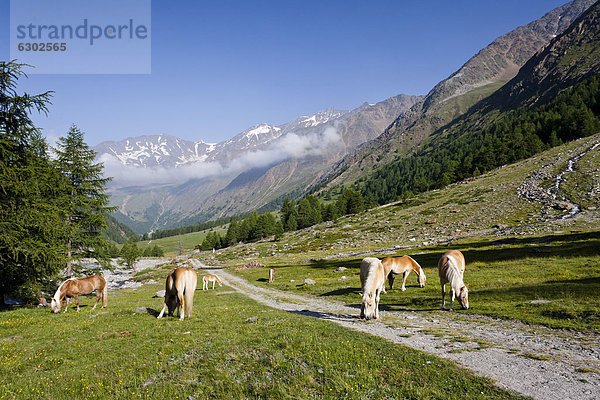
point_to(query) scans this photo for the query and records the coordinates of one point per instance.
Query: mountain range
(162, 181)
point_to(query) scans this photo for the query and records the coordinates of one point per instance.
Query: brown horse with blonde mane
(210, 278)
(74, 287)
(402, 265)
(451, 268)
(179, 292)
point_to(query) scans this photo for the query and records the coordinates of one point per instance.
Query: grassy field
(504, 277)
(171, 244)
(232, 348)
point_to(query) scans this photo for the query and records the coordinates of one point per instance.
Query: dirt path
(502, 350)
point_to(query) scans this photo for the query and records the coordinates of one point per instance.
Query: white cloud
(283, 148)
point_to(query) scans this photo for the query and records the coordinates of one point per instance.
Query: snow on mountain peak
(322, 117)
(260, 129)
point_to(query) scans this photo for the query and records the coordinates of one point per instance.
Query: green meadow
(232, 348)
(504, 275)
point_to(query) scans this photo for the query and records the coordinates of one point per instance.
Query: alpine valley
(161, 181)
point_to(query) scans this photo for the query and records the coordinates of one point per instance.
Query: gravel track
(498, 349)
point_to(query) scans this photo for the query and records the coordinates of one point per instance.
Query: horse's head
(367, 308)
(55, 305)
(421, 278)
(463, 297)
(172, 302)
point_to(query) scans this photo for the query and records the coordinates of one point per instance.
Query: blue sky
(221, 67)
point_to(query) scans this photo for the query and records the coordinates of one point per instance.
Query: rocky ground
(121, 277)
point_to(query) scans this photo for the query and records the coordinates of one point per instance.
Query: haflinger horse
(210, 278)
(74, 287)
(372, 282)
(402, 265)
(179, 292)
(451, 268)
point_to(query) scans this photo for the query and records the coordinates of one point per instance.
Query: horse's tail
(190, 287)
(219, 280)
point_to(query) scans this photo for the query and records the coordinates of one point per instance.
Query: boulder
(564, 205)
(309, 281)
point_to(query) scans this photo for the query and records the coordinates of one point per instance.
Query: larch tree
(85, 202)
(31, 228)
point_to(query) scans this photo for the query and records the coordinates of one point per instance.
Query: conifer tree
(85, 203)
(31, 225)
(233, 235)
(288, 209)
(130, 253)
(157, 251)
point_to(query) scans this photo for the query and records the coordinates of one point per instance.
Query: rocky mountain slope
(190, 182)
(570, 58)
(483, 74)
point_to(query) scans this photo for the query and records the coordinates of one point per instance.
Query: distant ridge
(480, 76)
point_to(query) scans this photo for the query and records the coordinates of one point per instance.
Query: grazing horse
(210, 278)
(402, 265)
(179, 292)
(372, 282)
(271, 275)
(74, 287)
(451, 268)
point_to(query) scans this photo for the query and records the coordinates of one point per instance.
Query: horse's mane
(58, 291)
(371, 276)
(419, 270)
(453, 272)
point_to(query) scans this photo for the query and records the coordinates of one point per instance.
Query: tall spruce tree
(31, 228)
(85, 201)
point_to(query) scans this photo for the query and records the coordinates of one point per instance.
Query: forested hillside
(516, 122)
(479, 77)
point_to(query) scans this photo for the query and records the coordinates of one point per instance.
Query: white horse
(372, 280)
(179, 292)
(451, 268)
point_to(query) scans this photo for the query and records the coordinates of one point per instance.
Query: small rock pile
(250, 265)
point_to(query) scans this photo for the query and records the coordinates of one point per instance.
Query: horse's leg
(181, 305)
(452, 299)
(404, 278)
(163, 310)
(377, 293)
(213, 285)
(443, 296)
(391, 278)
(67, 305)
(98, 294)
